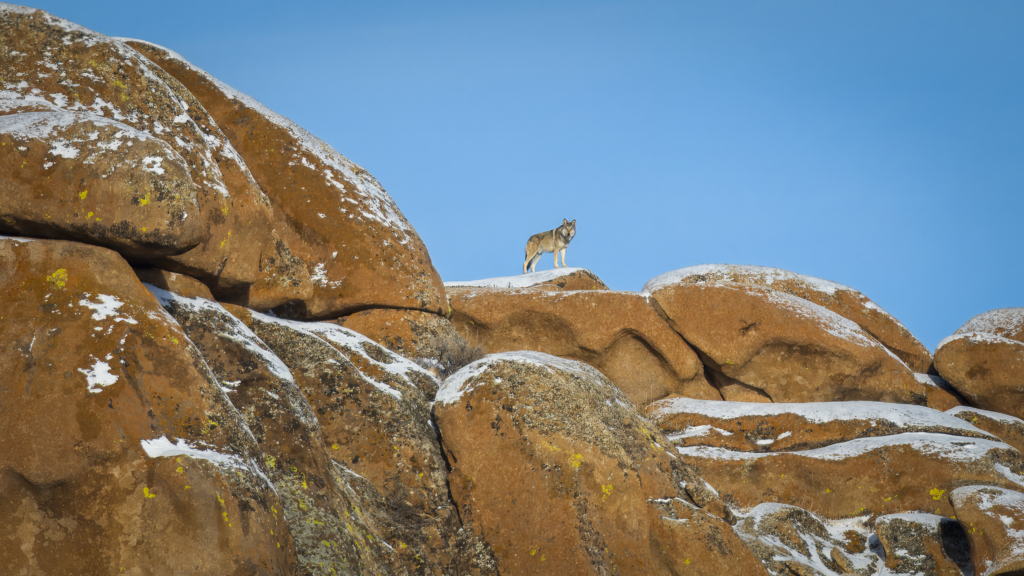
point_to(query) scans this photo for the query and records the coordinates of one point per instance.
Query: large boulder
(993, 518)
(332, 519)
(106, 148)
(987, 369)
(864, 477)
(411, 333)
(1007, 428)
(616, 332)
(781, 347)
(373, 408)
(920, 543)
(1005, 322)
(358, 249)
(121, 450)
(843, 300)
(757, 427)
(559, 474)
(557, 279)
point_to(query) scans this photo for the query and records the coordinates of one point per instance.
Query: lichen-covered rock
(987, 369)
(374, 415)
(790, 540)
(1005, 322)
(843, 300)
(1009, 429)
(758, 427)
(616, 332)
(782, 347)
(559, 474)
(331, 519)
(411, 333)
(358, 249)
(179, 284)
(909, 472)
(557, 279)
(993, 518)
(121, 451)
(100, 145)
(927, 544)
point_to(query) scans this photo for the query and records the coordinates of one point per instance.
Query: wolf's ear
(564, 221)
(573, 221)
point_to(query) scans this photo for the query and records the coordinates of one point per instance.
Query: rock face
(917, 543)
(113, 151)
(121, 448)
(1005, 322)
(867, 476)
(1006, 428)
(987, 369)
(356, 245)
(842, 300)
(616, 332)
(993, 518)
(410, 333)
(756, 427)
(760, 341)
(557, 279)
(595, 491)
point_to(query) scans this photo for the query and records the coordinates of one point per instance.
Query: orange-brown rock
(173, 282)
(411, 333)
(843, 300)
(993, 519)
(120, 448)
(1007, 428)
(789, 540)
(616, 332)
(756, 427)
(557, 279)
(920, 543)
(106, 148)
(865, 477)
(318, 499)
(1005, 322)
(374, 415)
(784, 347)
(358, 248)
(559, 474)
(987, 369)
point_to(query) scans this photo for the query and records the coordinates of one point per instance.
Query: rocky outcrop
(121, 448)
(410, 333)
(987, 369)
(557, 279)
(559, 474)
(842, 300)
(993, 519)
(756, 427)
(1006, 428)
(1004, 322)
(867, 476)
(616, 332)
(358, 249)
(917, 543)
(772, 344)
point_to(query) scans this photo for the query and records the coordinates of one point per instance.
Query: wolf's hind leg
(533, 263)
(556, 258)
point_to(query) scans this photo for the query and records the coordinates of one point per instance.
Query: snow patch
(520, 280)
(99, 376)
(463, 381)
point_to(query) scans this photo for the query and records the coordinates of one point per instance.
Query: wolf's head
(567, 230)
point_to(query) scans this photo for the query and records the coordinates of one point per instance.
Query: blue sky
(876, 143)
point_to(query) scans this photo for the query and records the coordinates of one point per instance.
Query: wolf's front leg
(563, 257)
(556, 258)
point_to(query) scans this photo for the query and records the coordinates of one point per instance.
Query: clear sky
(875, 143)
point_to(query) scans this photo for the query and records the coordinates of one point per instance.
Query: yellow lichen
(936, 493)
(575, 460)
(146, 493)
(83, 194)
(145, 199)
(607, 489)
(58, 279)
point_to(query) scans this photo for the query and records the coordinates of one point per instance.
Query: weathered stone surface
(1007, 428)
(940, 394)
(106, 148)
(987, 369)
(358, 248)
(868, 476)
(411, 333)
(843, 300)
(332, 519)
(616, 332)
(792, 541)
(756, 427)
(559, 474)
(1005, 322)
(120, 448)
(558, 279)
(785, 348)
(993, 518)
(927, 544)
(173, 282)
(374, 416)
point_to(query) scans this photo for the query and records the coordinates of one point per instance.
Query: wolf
(556, 241)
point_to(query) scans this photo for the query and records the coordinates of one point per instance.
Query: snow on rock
(993, 518)
(528, 280)
(465, 380)
(987, 369)
(922, 543)
(1009, 429)
(733, 273)
(1005, 322)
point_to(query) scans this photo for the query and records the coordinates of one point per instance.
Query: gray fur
(555, 241)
